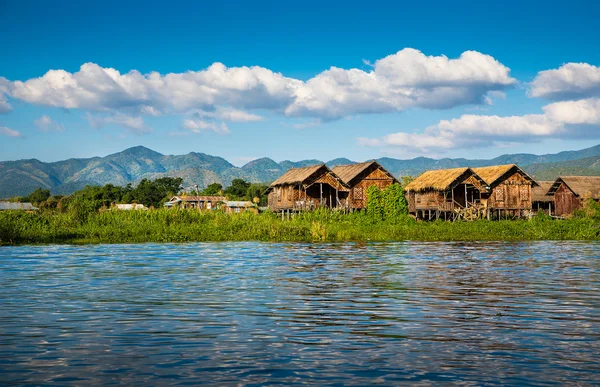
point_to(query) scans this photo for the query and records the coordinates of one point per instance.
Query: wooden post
(321, 194)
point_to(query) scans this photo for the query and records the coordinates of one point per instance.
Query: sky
(298, 80)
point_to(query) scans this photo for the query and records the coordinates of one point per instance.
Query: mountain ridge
(20, 177)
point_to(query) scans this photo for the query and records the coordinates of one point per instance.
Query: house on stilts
(448, 194)
(307, 188)
(541, 200)
(570, 192)
(509, 191)
(359, 177)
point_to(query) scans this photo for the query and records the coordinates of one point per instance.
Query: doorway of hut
(465, 195)
(324, 195)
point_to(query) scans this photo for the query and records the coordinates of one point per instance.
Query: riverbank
(323, 226)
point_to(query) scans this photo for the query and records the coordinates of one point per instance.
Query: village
(493, 192)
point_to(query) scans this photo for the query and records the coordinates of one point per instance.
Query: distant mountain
(589, 166)
(133, 164)
(339, 161)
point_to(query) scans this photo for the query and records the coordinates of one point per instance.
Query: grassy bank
(186, 226)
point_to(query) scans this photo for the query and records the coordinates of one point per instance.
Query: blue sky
(254, 79)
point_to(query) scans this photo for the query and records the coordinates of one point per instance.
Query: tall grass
(17, 227)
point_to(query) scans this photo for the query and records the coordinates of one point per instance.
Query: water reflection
(253, 313)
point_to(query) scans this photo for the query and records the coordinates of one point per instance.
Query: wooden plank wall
(358, 192)
(565, 201)
(514, 193)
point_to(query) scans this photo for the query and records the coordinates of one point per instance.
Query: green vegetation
(85, 218)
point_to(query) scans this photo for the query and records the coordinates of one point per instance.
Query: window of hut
(500, 195)
(358, 193)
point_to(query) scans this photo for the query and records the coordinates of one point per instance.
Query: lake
(292, 314)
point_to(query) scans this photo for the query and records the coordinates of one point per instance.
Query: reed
(163, 225)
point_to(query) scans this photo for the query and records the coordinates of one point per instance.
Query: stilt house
(361, 176)
(510, 190)
(445, 193)
(570, 192)
(307, 188)
(541, 200)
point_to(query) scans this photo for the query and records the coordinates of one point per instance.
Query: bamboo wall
(357, 197)
(514, 193)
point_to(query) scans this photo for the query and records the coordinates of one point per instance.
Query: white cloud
(135, 124)
(582, 112)
(400, 81)
(397, 82)
(46, 124)
(4, 90)
(228, 114)
(197, 125)
(560, 120)
(570, 81)
(10, 132)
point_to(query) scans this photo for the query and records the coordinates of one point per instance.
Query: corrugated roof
(438, 180)
(199, 198)
(243, 204)
(491, 174)
(583, 186)
(539, 193)
(297, 175)
(349, 171)
(17, 206)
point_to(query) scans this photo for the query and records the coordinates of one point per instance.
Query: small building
(196, 202)
(307, 188)
(446, 194)
(129, 207)
(570, 191)
(240, 206)
(509, 190)
(541, 200)
(11, 206)
(359, 177)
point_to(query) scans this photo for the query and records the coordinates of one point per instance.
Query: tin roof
(17, 206)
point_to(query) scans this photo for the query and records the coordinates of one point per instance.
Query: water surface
(293, 314)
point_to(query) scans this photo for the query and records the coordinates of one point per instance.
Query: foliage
(387, 204)
(237, 190)
(213, 190)
(36, 197)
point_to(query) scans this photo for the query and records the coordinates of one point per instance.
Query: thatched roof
(298, 175)
(441, 179)
(583, 186)
(491, 175)
(349, 172)
(540, 193)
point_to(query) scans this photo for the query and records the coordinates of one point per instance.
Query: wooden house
(196, 202)
(307, 188)
(361, 176)
(570, 191)
(509, 190)
(446, 194)
(541, 200)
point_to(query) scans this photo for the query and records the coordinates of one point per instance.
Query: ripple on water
(260, 313)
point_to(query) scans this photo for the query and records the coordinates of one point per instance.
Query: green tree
(38, 196)
(212, 189)
(237, 190)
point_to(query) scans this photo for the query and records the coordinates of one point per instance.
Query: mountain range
(131, 165)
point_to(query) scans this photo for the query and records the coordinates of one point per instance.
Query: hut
(540, 199)
(240, 206)
(446, 194)
(307, 188)
(361, 176)
(510, 190)
(570, 192)
(196, 202)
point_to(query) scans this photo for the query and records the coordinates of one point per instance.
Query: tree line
(151, 193)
